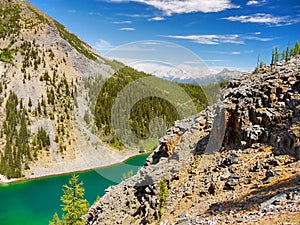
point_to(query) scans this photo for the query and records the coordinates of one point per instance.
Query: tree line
(21, 146)
(278, 56)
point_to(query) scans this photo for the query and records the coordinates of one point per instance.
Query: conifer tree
(287, 53)
(74, 205)
(56, 220)
(29, 103)
(296, 49)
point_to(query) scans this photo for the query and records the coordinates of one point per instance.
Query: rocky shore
(80, 164)
(235, 162)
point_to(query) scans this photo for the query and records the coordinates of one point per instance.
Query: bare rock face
(264, 108)
(247, 140)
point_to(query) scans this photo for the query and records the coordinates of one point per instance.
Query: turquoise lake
(34, 202)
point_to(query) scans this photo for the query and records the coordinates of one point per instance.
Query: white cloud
(157, 18)
(122, 22)
(215, 39)
(255, 2)
(134, 15)
(235, 53)
(71, 11)
(127, 29)
(258, 38)
(210, 39)
(170, 7)
(252, 2)
(102, 45)
(264, 18)
(150, 43)
(94, 14)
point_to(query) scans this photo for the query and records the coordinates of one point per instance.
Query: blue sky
(223, 33)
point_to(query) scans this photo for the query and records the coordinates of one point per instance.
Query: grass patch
(9, 19)
(78, 44)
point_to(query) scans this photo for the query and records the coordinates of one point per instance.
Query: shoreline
(4, 181)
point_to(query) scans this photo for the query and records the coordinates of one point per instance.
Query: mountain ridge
(45, 66)
(214, 77)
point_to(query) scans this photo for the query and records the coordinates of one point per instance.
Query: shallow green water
(34, 202)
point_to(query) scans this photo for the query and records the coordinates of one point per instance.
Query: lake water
(34, 202)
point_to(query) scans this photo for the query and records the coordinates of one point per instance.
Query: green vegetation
(17, 149)
(43, 138)
(74, 205)
(149, 107)
(149, 145)
(93, 84)
(278, 56)
(163, 194)
(296, 49)
(21, 146)
(40, 17)
(285, 54)
(6, 55)
(9, 19)
(79, 45)
(127, 175)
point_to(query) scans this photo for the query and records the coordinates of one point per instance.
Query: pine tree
(163, 194)
(56, 220)
(287, 53)
(276, 57)
(74, 205)
(296, 49)
(273, 58)
(29, 103)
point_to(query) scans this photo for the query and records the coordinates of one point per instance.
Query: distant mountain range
(210, 77)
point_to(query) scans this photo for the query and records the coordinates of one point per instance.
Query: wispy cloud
(170, 7)
(157, 18)
(211, 39)
(259, 38)
(102, 45)
(122, 22)
(215, 39)
(214, 60)
(256, 2)
(252, 2)
(94, 14)
(134, 15)
(71, 11)
(264, 18)
(127, 29)
(235, 53)
(150, 43)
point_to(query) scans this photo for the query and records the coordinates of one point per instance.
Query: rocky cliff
(235, 162)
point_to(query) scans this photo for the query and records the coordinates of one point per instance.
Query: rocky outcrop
(221, 162)
(264, 108)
